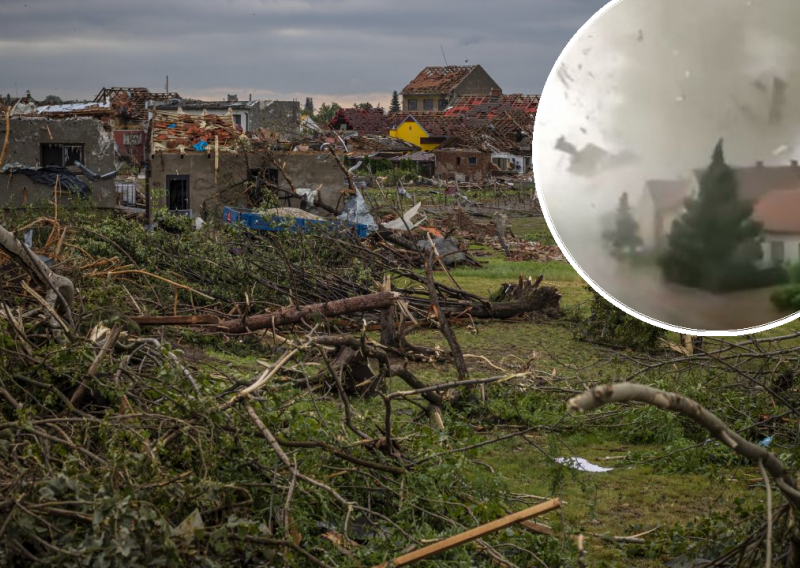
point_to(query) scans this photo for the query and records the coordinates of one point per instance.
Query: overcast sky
(332, 50)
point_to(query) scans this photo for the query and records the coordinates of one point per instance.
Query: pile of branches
(115, 451)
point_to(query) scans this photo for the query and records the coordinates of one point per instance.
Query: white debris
(405, 221)
(582, 465)
(780, 150)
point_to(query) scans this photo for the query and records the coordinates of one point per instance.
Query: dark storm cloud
(343, 50)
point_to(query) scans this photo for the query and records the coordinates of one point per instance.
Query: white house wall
(791, 248)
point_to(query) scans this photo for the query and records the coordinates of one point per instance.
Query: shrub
(609, 325)
(787, 297)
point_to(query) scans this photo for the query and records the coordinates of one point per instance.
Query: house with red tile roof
(774, 192)
(436, 88)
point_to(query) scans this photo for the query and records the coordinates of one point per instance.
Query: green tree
(624, 238)
(309, 107)
(363, 106)
(52, 100)
(715, 244)
(394, 106)
(325, 113)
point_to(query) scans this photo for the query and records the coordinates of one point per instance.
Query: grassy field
(639, 494)
(648, 487)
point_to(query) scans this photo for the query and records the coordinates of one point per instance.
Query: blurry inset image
(665, 158)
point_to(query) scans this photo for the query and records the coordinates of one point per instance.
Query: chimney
(496, 92)
(793, 163)
(233, 98)
(251, 97)
(759, 164)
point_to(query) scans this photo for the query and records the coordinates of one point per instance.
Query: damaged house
(201, 163)
(247, 116)
(371, 121)
(130, 106)
(435, 88)
(64, 150)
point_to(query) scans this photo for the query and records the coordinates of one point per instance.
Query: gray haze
(343, 50)
(664, 79)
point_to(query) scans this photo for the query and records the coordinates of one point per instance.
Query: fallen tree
(293, 315)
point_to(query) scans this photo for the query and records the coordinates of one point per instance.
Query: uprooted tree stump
(526, 296)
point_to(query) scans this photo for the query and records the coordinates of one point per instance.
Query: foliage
(624, 238)
(786, 298)
(325, 113)
(394, 106)
(363, 106)
(715, 244)
(309, 106)
(52, 100)
(609, 325)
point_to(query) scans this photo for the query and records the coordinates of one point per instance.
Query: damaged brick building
(63, 150)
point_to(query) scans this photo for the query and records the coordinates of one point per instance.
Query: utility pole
(166, 90)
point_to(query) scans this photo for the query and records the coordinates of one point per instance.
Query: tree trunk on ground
(544, 300)
(289, 316)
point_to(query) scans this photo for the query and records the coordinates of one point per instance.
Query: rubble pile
(188, 132)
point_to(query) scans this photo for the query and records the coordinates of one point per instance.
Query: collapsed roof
(442, 79)
(192, 133)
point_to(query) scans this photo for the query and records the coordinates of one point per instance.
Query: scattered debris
(582, 465)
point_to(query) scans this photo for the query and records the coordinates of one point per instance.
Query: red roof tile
(777, 211)
(489, 106)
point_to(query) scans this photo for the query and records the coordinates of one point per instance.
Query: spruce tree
(309, 107)
(715, 243)
(394, 106)
(624, 238)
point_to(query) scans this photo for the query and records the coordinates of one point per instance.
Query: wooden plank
(473, 534)
(536, 527)
(175, 320)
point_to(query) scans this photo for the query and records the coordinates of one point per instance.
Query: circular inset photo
(666, 155)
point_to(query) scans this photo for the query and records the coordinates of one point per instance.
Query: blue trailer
(274, 223)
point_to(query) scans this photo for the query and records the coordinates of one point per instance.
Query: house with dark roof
(436, 88)
(371, 121)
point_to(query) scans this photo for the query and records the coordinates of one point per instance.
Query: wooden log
(293, 315)
(175, 320)
(473, 534)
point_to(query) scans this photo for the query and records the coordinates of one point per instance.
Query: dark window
(442, 104)
(427, 104)
(473, 160)
(52, 155)
(458, 161)
(412, 104)
(61, 154)
(237, 119)
(177, 193)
